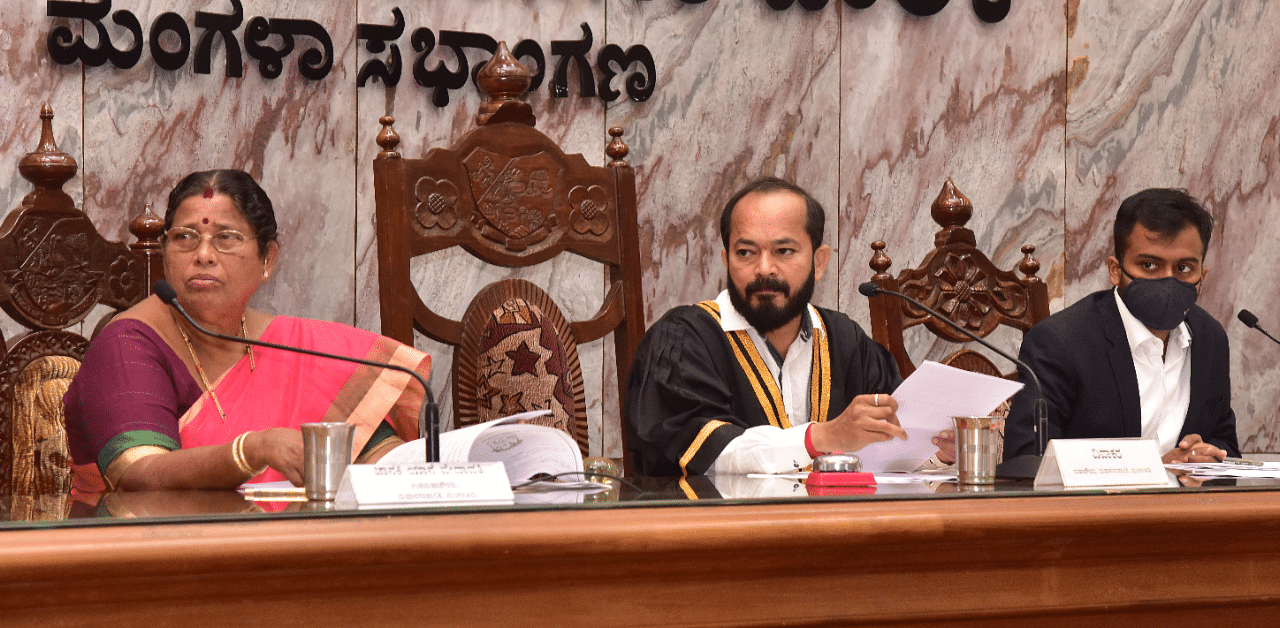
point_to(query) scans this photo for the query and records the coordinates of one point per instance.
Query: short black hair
(815, 221)
(1163, 211)
(244, 192)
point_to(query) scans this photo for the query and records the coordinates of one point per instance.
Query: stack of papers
(1203, 470)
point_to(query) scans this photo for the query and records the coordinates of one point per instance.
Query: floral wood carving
(591, 210)
(437, 203)
(514, 197)
(968, 294)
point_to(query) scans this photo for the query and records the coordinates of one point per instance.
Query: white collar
(1138, 334)
(732, 320)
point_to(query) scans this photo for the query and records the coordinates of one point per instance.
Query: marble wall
(1045, 120)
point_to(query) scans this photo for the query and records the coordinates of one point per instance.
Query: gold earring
(266, 275)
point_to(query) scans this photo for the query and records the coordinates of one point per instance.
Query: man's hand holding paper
(925, 404)
(867, 419)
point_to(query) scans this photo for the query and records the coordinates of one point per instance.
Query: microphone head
(1247, 318)
(165, 291)
(869, 289)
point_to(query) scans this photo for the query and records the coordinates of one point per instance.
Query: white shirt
(1164, 377)
(769, 449)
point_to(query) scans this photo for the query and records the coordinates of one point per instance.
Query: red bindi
(205, 221)
(208, 192)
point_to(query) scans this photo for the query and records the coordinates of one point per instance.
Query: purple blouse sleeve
(130, 382)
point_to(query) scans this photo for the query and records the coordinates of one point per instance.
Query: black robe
(691, 392)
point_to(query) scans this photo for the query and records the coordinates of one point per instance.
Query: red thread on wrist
(808, 442)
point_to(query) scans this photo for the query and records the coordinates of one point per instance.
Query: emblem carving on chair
(437, 203)
(55, 268)
(514, 205)
(591, 210)
(961, 282)
(963, 290)
(48, 269)
(520, 201)
(518, 354)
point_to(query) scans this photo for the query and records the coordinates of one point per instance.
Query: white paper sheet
(926, 402)
(524, 449)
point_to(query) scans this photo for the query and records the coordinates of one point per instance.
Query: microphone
(428, 413)
(1026, 465)
(1250, 320)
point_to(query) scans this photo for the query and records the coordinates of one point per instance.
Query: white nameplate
(424, 483)
(1091, 462)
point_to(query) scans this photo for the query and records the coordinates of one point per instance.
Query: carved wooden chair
(55, 268)
(961, 282)
(508, 195)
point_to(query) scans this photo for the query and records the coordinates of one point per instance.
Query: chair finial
(47, 167)
(388, 139)
(951, 210)
(146, 227)
(504, 80)
(617, 149)
(1029, 265)
(880, 261)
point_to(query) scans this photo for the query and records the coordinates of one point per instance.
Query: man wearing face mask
(1139, 360)
(759, 380)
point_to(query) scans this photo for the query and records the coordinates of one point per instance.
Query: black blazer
(1082, 357)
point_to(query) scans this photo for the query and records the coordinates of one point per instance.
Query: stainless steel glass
(326, 449)
(977, 448)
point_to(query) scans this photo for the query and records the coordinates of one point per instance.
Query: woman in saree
(159, 405)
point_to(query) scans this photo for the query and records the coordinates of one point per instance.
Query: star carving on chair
(511, 404)
(485, 391)
(492, 366)
(523, 360)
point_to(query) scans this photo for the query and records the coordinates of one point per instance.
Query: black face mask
(1159, 303)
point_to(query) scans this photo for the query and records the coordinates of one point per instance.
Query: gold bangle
(237, 454)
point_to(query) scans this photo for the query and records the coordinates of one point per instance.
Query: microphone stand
(1024, 466)
(428, 413)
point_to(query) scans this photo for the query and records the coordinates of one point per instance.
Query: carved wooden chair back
(55, 268)
(508, 195)
(959, 281)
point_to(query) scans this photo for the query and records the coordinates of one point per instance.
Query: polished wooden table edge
(880, 561)
(562, 532)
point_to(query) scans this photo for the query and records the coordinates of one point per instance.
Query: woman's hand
(279, 448)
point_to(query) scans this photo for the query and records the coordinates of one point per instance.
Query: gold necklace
(248, 350)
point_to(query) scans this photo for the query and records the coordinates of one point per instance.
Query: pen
(1241, 461)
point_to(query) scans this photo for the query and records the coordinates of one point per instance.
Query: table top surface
(642, 492)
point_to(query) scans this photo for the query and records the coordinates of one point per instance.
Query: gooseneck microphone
(428, 413)
(1250, 320)
(1026, 465)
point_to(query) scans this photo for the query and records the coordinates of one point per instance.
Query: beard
(766, 316)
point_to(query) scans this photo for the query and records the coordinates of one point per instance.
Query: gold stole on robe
(765, 386)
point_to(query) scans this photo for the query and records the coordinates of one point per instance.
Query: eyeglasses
(187, 240)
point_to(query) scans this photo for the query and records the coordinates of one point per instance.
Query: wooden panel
(1129, 559)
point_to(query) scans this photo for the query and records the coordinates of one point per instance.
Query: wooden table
(1133, 559)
